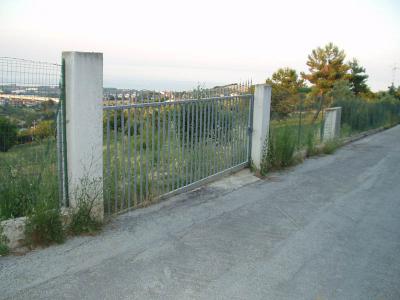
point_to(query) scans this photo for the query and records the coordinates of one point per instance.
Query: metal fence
(29, 104)
(162, 143)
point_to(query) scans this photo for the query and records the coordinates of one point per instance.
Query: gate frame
(84, 131)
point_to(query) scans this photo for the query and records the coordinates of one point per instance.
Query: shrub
(44, 225)
(329, 147)
(87, 195)
(8, 134)
(311, 145)
(44, 129)
(280, 152)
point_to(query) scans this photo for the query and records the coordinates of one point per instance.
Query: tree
(285, 84)
(342, 91)
(357, 78)
(326, 66)
(44, 129)
(8, 134)
(394, 92)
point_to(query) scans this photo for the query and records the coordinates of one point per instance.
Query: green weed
(44, 226)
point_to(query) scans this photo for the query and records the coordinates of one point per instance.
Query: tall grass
(359, 115)
(280, 150)
(28, 175)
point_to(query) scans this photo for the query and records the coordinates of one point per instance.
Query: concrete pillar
(332, 123)
(261, 116)
(84, 126)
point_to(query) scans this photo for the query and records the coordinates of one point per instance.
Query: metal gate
(158, 144)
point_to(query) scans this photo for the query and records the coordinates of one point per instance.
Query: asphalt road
(326, 229)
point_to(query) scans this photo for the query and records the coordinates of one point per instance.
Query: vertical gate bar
(183, 171)
(129, 154)
(228, 132)
(146, 115)
(233, 125)
(158, 149)
(241, 108)
(108, 164)
(202, 132)
(203, 151)
(163, 152)
(196, 142)
(174, 146)
(219, 144)
(238, 130)
(140, 118)
(169, 149)
(122, 157)
(215, 135)
(152, 148)
(192, 143)
(250, 126)
(115, 156)
(187, 149)
(244, 129)
(232, 131)
(222, 136)
(234, 140)
(179, 162)
(209, 144)
(135, 158)
(227, 113)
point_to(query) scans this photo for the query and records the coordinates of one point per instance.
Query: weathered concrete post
(261, 116)
(84, 126)
(332, 123)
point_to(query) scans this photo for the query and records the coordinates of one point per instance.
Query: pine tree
(326, 66)
(285, 83)
(358, 78)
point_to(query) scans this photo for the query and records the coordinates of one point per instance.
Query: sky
(178, 44)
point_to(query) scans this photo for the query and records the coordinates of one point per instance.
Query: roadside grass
(28, 174)
(44, 226)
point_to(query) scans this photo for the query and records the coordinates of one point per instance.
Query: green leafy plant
(329, 147)
(87, 195)
(280, 151)
(44, 225)
(311, 145)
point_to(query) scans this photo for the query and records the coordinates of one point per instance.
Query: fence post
(261, 117)
(332, 123)
(84, 127)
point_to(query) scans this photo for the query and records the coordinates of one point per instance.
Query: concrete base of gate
(211, 190)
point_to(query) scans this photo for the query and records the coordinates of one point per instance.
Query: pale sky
(174, 44)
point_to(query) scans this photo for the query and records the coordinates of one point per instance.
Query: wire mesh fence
(359, 115)
(296, 124)
(158, 143)
(29, 96)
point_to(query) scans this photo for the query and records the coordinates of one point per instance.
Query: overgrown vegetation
(44, 225)
(87, 196)
(28, 174)
(4, 250)
(280, 152)
(8, 134)
(330, 146)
